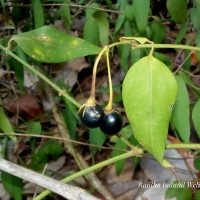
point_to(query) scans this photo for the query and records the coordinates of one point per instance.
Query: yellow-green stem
(168, 46)
(183, 146)
(110, 102)
(92, 94)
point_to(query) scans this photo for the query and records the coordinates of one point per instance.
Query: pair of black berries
(110, 122)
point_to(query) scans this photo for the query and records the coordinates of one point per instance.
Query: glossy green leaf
(181, 112)
(177, 10)
(5, 124)
(48, 44)
(141, 10)
(196, 117)
(38, 13)
(96, 137)
(13, 185)
(149, 92)
(103, 24)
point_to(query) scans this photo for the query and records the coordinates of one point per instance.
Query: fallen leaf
(26, 106)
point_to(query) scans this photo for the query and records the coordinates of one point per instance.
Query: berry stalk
(110, 103)
(92, 98)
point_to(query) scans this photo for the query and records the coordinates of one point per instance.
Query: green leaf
(163, 58)
(125, 49)
(181, 112)
(91, 9)
(18, 67)
(195, 16)
(181, 193)
(181, 33)
(158, 32)
(13, 185)
(119, 164)
(149, 92)
(197, 194)
(91, 25)
(197, 162)
(129, 12)
(5, 124)
(189, 82)
(196, 117)
(48, 44)
(197, 43)
(49, 150)
(141, 10)
(96, 137)
(38, 13)
(177, 10)
(119, 23)
(65, 13)
(34, 128)
(69, 113)
(70, 120)
(126, 132)
(103, 24)
(136, 54)
(3, 4)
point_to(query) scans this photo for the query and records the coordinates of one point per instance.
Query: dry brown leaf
(26, 106)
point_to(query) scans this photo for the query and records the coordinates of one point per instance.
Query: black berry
(112, 123)
(91, 116)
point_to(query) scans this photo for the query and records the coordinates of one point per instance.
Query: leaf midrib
(150, 101)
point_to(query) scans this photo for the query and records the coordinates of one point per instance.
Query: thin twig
(181, 65)
(67, 191)
(63, 139)
(190, 74)
(71, 5)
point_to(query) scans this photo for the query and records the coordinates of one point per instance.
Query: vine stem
(135, 152)
(168, 46)
(183, 146)
(43, 77)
